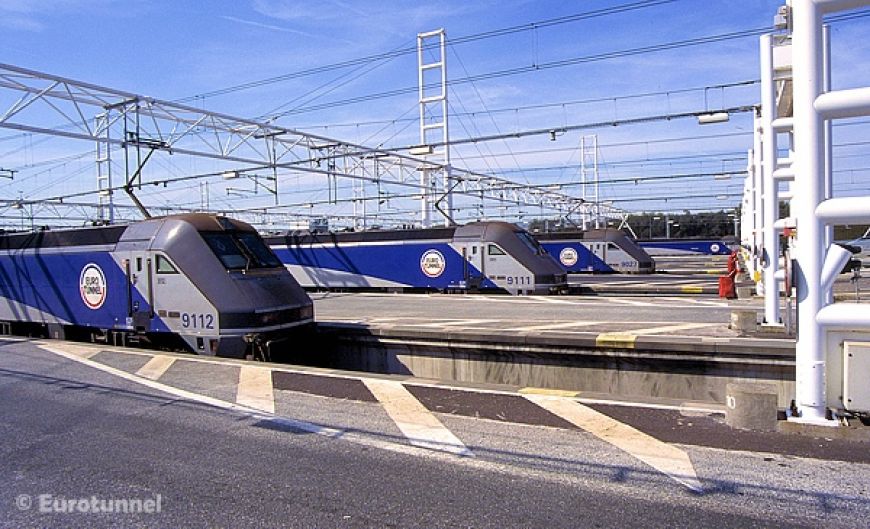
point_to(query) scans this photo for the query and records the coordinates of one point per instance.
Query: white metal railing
(814, 208)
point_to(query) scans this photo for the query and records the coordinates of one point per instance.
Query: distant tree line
(654, 225)
(704, 225)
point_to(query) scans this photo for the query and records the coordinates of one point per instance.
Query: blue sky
(177, 50)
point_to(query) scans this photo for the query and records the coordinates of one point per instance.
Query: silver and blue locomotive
(597, 251)
(207, 283)
(476, 257)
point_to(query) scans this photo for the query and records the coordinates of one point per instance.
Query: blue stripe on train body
(686, 246)
(586, 261)
(45, 287)
(396, 263)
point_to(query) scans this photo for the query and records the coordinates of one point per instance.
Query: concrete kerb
(677, 367)
(762, 347)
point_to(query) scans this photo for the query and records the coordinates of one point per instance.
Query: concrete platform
(662, 347)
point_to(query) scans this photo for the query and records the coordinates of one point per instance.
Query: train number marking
(92, 286)
(193, 320)
(432, 263)
(519, 280)
(568, 256)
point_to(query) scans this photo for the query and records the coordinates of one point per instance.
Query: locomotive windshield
(256, 247)
(241, 251)
(530, 242)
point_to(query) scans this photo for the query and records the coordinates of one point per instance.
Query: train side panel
(63, 286)
(686, 247)
(433, 264)
(575, 257)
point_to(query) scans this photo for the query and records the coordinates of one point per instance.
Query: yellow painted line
(716, 272)
(417, 423)
(255, 389)
(692, 290)
(550, 392)
(616, 339)
(663, 457)
(155, 367)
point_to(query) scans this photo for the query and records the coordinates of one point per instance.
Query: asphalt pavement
(215, 444)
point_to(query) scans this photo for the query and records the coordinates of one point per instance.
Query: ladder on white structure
(589, 170)
(105, 210)
(434, 131)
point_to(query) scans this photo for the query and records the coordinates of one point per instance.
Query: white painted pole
(448, 177)
(747, 226)
(597, 181)
(424, 172)
(809, 164)
(770, 254)
(758, 208)
(829, 150)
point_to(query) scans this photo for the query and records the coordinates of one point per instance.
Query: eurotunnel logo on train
(92, 285)
(714, 248)
(568, 256)
(432, 263)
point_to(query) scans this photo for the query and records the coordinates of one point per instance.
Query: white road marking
(719, 304)
(255, 389)
(155, 367)
(663, 457)
(416, 422)
(448, 323)
(670, 328)
(712, 408)
(325, 431)
(333, 433)
(189, 395)
(556, 301)
(82, 351)
(631, 302)
(559, 325)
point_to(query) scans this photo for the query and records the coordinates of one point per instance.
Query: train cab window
(264, 255)
(164, 266)
(226, 249)
(611, 246)
(241, 251)
(495, 250)
(530, 242)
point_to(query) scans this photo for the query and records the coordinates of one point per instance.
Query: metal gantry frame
(43, 100)
(815, 210)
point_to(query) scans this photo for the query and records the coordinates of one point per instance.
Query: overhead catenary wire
(531, 26)
(573, 61)
(555, 104)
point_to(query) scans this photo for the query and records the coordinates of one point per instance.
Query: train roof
(473, 230)
(96, 235)
(596, 234)
(110, 234)
(208, 222)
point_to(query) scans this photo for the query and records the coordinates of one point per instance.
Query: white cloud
(265, 26)
(29, 15)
